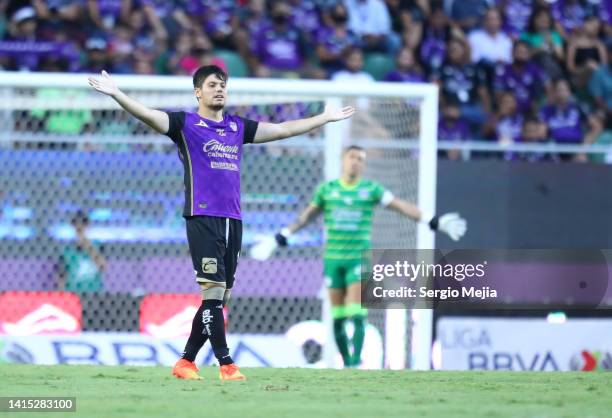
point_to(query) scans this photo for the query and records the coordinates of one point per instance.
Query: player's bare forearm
(405, 208)
(154, 118)
(267, 132)
(310, 213)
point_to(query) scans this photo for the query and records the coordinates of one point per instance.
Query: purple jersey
(564, 123)
(453, 131)
(509, 127)
(211, 153)
(280, 50)
(569, 14)
(526, 83)
(516, 14)
(407, 77)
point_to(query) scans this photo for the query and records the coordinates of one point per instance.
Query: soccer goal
(65, 148)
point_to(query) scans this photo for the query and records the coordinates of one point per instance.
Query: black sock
(214, 327)
(197, 338)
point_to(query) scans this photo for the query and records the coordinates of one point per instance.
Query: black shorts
(214, 244)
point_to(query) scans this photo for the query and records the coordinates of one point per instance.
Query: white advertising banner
(523, 344)
(136, 349)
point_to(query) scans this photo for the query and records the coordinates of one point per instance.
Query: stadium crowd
(508, 70)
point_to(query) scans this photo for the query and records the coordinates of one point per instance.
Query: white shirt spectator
(493, 48)
(368, 17)
(355, 79)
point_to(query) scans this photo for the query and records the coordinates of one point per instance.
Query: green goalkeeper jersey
(348, 211)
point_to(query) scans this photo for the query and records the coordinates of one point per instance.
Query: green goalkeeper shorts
(340, 274)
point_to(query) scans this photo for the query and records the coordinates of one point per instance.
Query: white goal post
(176, 92)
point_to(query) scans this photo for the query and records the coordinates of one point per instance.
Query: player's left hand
(453, 225)
(333, 114)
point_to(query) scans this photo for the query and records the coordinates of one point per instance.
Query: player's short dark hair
(80, 218)
(206, 70)
(353, 148)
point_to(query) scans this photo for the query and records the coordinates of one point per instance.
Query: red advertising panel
(38, 313)
(169, 315)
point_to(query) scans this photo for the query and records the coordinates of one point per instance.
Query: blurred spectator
(451, 127)
(107, 14)
(407, 18)
(305, 17)
(600, 87)
(165, 17)
(570, 14)
(370, 19)
(585, 52)
(191, 53)
(251, 20)
(516, 15)
(279, 47)
(523, 77)
(566, 121)
(81, 264)
(333, 42)
(505, 125)
(490, 45)
(468, 13)
(58, 12)
(545, 42)
(218, 18)
(463, 82)
(121, 48)
(354, 69)
(533, 131)
(406, 69)
(97, 57)
(438, 32)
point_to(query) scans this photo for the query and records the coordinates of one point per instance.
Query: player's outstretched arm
(267, 132)
(452, 224)
(309, 214)
(156, 119)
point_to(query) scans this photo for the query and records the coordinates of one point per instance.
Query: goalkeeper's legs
(356, 314)
(339, 316)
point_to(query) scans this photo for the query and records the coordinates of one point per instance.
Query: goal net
(66, 150)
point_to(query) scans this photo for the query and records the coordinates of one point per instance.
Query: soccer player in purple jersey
(210, 144)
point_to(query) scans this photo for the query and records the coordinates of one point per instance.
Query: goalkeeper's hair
(206, 70)
(353, 148)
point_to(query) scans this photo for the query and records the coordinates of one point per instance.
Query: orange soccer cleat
(230, 372)
(185, 369)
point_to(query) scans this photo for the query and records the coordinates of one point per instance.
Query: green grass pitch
(150, 392)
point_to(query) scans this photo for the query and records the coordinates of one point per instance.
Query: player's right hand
(105, 84)
(281, 240)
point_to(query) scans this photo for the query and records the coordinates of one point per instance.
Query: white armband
(386, 198)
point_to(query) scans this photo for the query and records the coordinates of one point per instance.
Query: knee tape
(226, 296)
(214, 291)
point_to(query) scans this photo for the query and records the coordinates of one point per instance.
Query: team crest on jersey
(233, 126)
(221, 132)
(364, 194)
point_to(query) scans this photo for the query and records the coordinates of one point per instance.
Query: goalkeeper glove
(452, 224)
(282, 237)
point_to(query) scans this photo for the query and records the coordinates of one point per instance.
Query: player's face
(354, 163)
(213, 92)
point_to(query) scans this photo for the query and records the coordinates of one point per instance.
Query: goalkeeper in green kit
(348, 206)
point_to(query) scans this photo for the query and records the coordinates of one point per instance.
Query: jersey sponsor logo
(233, 126)
(201, 123)
(209, 265)
(214, 145)
(335, 194)
(347, 201)
(223, 166)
